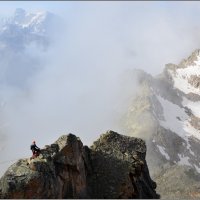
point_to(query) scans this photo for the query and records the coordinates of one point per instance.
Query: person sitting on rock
(35, 150)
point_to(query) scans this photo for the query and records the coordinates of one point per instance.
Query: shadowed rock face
(114, 167)
(119, 168)
(58, 172)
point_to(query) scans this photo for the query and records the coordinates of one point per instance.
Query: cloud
(84, 82)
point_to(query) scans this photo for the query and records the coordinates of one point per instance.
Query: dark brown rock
(119, 168)
(114, 167)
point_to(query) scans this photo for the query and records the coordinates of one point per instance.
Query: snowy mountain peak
(25, 28)
(191, 60)
(169, 105)
(186, 75)
(35, 23)
(21, 16)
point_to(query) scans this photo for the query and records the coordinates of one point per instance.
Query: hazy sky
(149, 33)
(54, 6)
(80, 88)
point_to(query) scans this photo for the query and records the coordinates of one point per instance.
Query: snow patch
(189, 148)
(163, 152)
(191, 130)
(182, 75)
(197, 168)
(174, 117)
(184, 160)
(36, 18)
(194, 106)
(177, 120)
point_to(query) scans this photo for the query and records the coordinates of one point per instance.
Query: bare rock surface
(114, 167)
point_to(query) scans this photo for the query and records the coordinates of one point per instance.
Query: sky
(53, 6)
(83, 86)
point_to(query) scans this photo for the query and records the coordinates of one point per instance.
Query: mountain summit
(35, 22)
(24, 28)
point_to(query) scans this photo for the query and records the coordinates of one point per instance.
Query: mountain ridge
(165, 112)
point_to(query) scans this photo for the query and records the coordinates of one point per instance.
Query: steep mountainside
(166, 113)
(178, 182)
(114, 167)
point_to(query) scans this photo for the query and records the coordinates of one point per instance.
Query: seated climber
(35, 150)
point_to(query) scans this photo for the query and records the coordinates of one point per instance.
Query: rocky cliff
(113, 167)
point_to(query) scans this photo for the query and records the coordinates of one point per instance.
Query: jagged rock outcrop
(59, 172)
(114, 167)
(119, 168)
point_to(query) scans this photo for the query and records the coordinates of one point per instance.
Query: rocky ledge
(113, 167)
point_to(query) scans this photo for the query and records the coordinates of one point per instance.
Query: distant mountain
(24, 38)
(25, 28)
(166, 112)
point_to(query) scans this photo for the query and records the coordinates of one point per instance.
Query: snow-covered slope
(186, 76)
(166, 113)
(168, 106)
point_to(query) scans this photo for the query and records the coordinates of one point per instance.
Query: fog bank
(81, 83)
